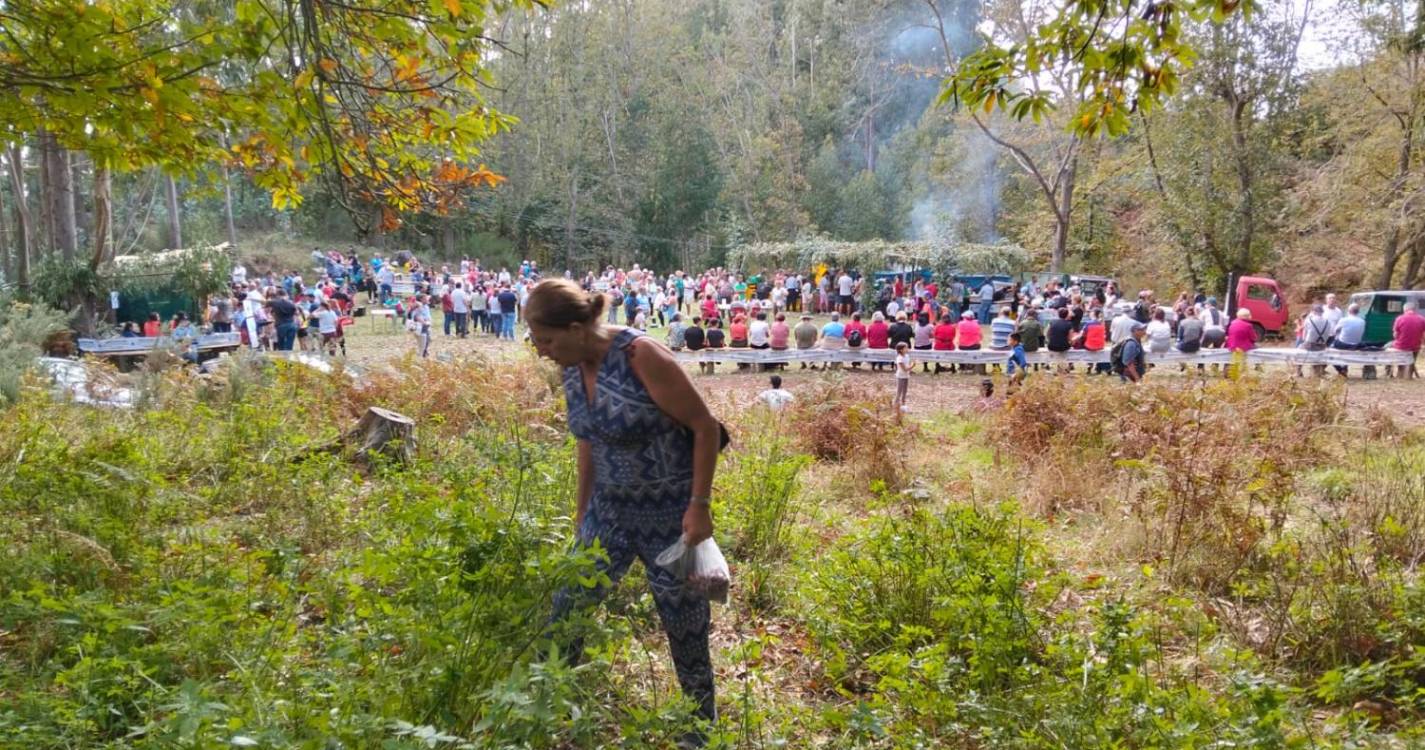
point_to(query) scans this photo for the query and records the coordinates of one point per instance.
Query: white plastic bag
(702, 568)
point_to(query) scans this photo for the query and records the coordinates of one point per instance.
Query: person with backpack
(1143, 308)
(1316, 335)
(1128, 358)
(1214, 325)
(855, 336)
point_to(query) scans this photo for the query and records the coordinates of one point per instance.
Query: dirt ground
(373, 342)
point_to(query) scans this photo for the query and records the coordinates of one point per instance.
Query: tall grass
(757, 487)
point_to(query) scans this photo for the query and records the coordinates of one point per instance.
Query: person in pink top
(1241, 338)
(780, 333)
(1241, 334)
(969, 335)
(878, 336)
(1409, 330)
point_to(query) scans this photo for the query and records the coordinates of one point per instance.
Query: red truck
(1263, 296)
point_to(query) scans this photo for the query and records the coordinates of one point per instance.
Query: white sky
(1326, 27)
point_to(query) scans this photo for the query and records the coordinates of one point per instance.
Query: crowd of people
(720, 308)
(283, 311)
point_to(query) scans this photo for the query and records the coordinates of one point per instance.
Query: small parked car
(1380, 309)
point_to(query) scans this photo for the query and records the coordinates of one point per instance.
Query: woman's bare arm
(674, 393)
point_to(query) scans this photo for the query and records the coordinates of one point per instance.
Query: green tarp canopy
(877, 255)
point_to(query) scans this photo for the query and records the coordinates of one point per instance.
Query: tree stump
(384, 432)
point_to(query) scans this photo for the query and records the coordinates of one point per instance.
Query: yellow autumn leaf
(454, 7)
(304, 79)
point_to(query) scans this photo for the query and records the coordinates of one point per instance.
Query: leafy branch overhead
(1124, 56)
(383, 101)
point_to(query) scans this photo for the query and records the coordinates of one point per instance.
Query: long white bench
(141, 345)
(1272, 356)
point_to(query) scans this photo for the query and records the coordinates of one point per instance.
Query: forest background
(667, 133)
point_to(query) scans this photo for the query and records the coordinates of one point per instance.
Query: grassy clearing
(1156, 567)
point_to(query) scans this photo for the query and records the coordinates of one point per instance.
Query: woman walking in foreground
(647, 450)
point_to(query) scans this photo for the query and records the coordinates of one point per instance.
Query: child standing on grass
(1018, 364)
(902, 374)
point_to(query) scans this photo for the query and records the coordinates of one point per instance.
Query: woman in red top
(944, 340)
(878, 336)
(738, 331)
(1092, 334)
(780, 333)
(153, 327)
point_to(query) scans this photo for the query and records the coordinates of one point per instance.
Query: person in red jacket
(878, 336)
(944, 339)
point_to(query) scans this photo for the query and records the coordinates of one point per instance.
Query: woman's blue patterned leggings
(644, 533)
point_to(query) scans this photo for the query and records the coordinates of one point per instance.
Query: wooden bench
(142, 345)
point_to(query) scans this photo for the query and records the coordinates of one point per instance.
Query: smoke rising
(953, 182)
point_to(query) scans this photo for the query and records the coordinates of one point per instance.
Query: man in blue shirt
(987, 301)
(508, 302)
(1018, 365)
(1132, 355)
(1349, 332)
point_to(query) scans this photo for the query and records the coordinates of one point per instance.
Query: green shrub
(758, 508)
(194, 574)
(957, 578)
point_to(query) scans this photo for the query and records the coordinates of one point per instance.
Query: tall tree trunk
(62, 208)
(1415, 260)
(228, 200)
(83, 210)
(103, 215)
(7, 243)
(45, 145)
(1247, 210)
(1391, 252)
(228, 207)
(571, 221)
(23, 234)
(447, 238)
(175, 226)
(1063, 213)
